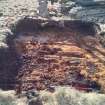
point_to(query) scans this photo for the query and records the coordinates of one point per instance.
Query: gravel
(13, 10)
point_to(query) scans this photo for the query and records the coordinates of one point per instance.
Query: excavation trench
(46, 53)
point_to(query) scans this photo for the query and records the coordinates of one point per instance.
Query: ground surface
(11, 11)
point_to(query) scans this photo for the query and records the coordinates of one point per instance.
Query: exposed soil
(51, 54)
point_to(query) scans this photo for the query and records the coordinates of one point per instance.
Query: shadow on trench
(9, 66)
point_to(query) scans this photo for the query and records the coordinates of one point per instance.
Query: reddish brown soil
(53, 59)
(43, 54)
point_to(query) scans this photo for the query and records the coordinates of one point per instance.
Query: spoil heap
(53, 59)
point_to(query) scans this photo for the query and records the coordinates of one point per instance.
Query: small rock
(35, 101)
(1, 14)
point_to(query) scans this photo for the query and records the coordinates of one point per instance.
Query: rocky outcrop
(88, 10)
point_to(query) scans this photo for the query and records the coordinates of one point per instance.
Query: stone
(43, 11)
(35, 101)
(1, 14)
